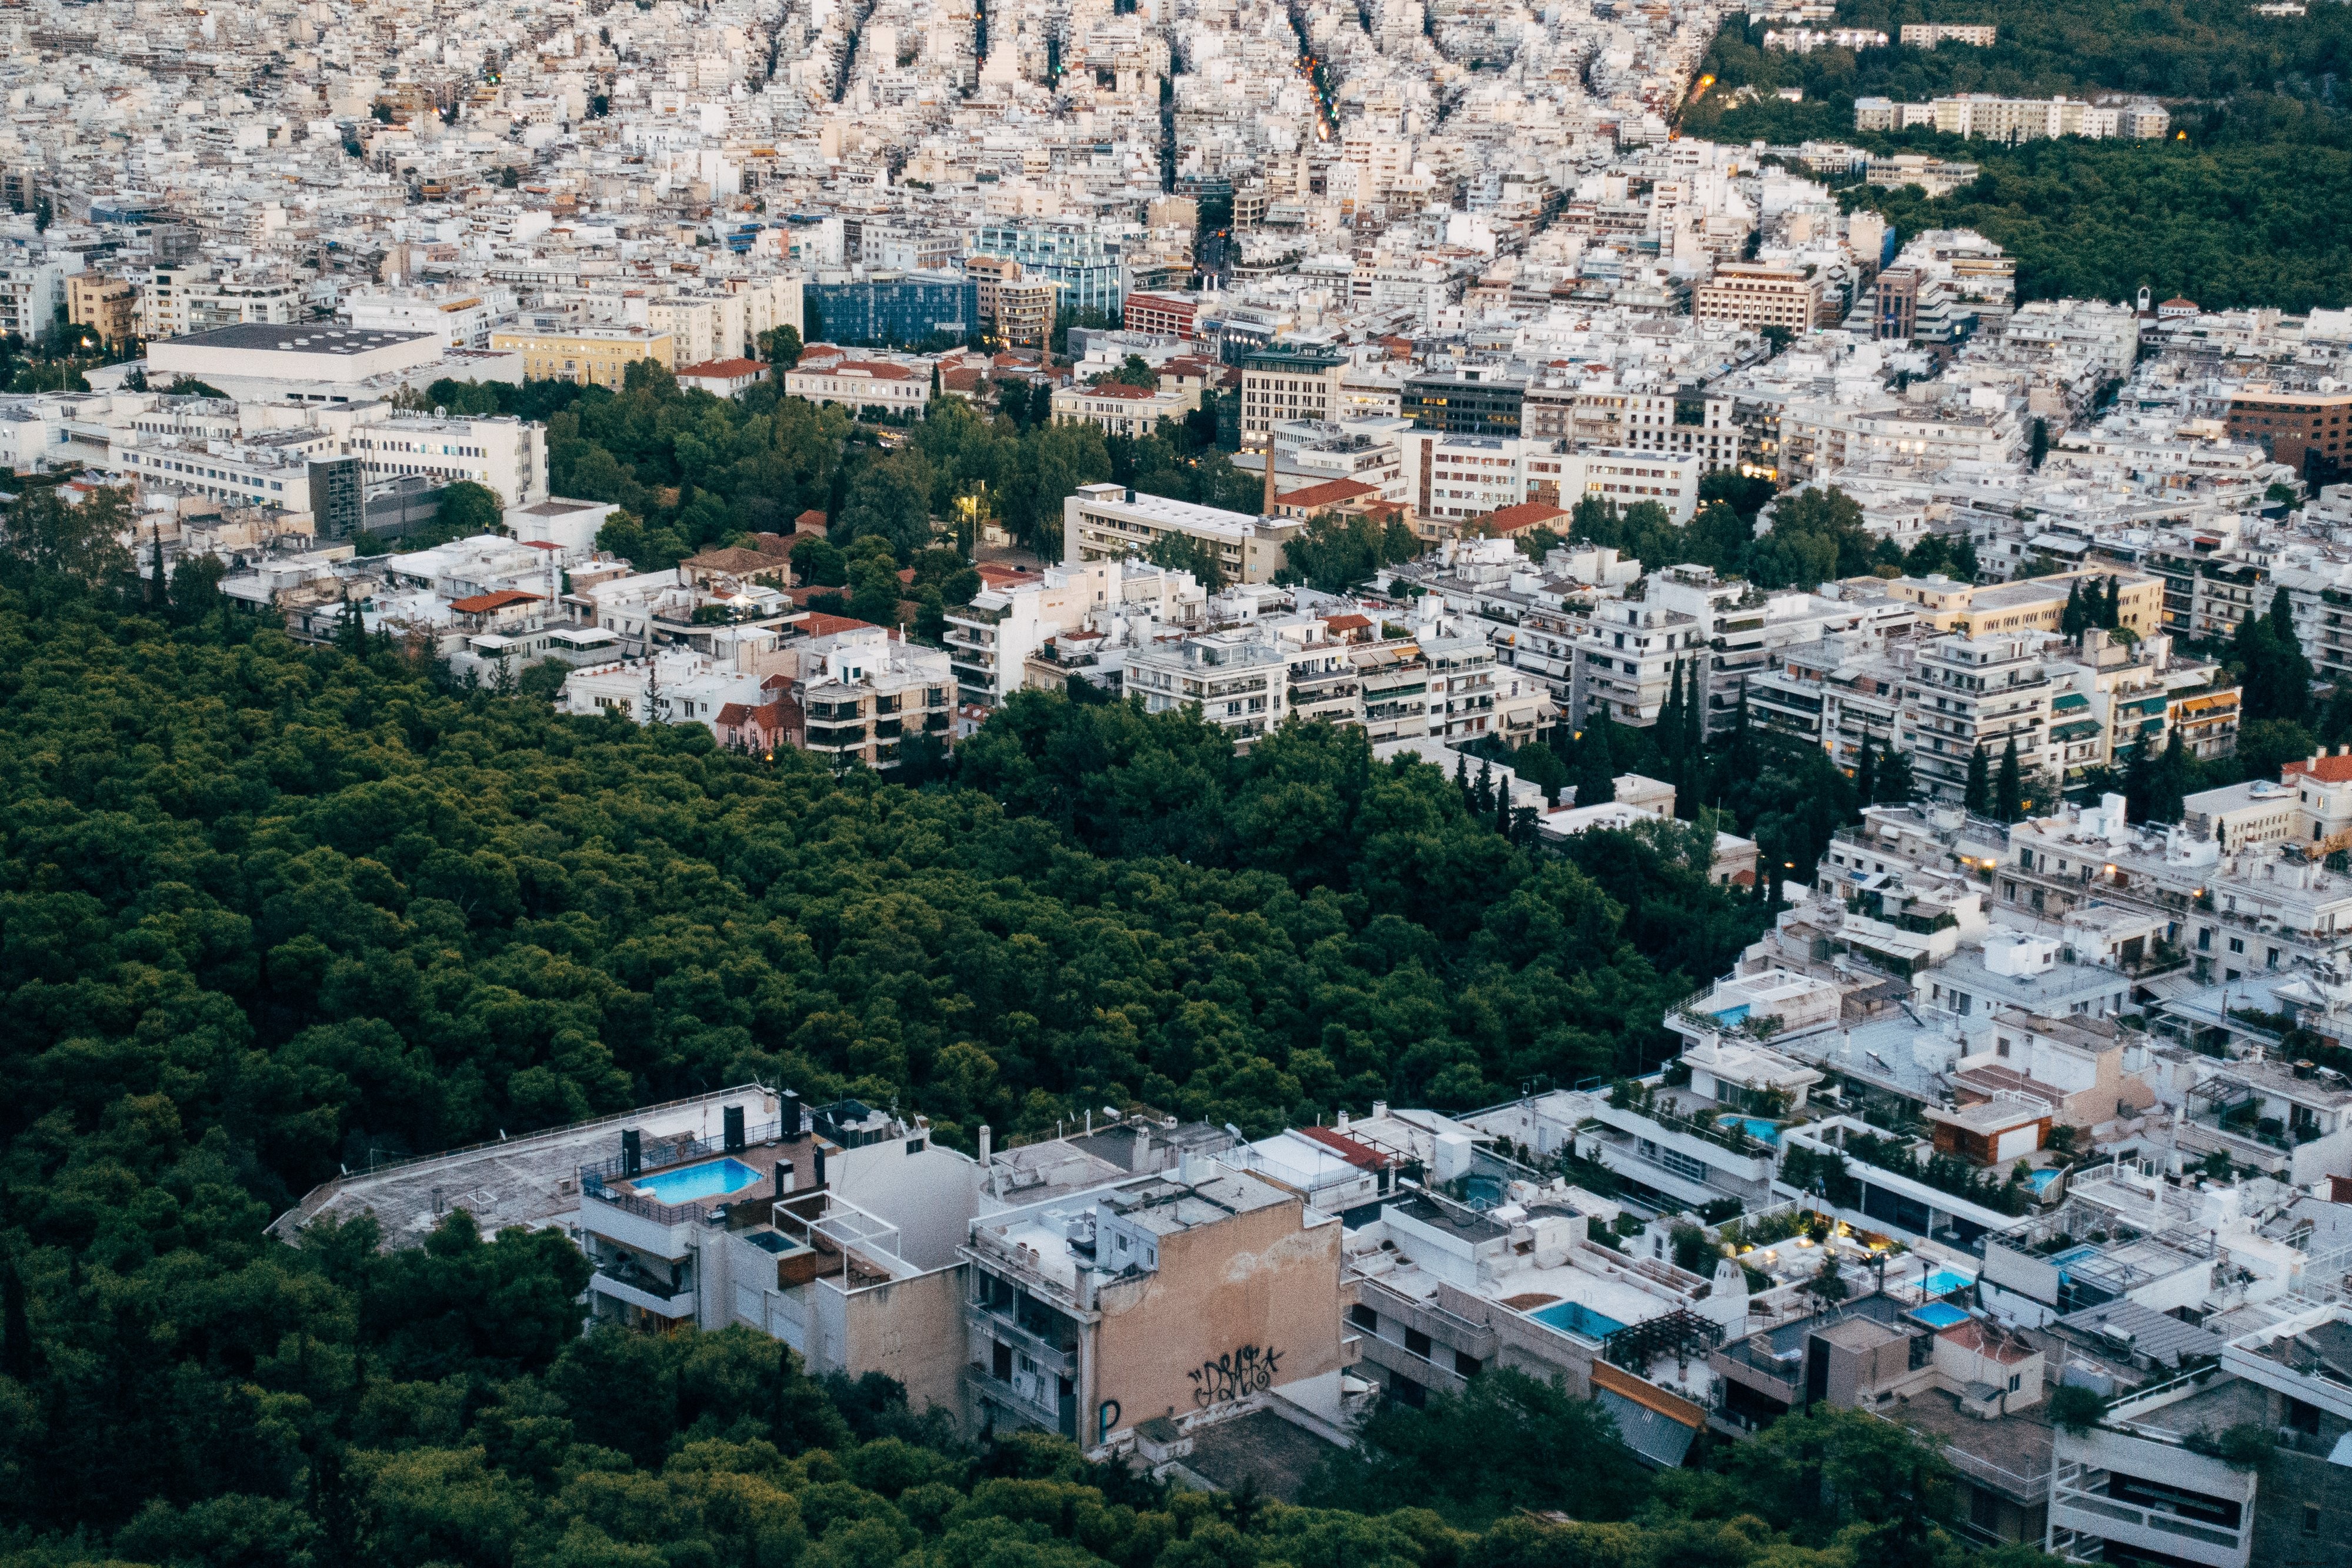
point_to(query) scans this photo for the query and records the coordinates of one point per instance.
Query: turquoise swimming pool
(1576, 1318)
(1757, 1127)
(1938, 1315)
(691, 1181)
(1943, 1283)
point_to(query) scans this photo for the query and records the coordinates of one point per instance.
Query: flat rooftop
(296, 338)
(532, 1181)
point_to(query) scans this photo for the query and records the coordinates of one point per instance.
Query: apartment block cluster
(1992, 1113)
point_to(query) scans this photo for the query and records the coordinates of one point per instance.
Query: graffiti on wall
(1236, 1374)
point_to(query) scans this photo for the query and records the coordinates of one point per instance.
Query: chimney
(1139, 1162)
(632, 1156)
(795, 1121)
(784, 1177)
(1267, 509)
(987, 1139)
(732, 1120)
(1380, 1108)
(1341, 1125)
(820, 1164)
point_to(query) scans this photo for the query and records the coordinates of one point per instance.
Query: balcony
(623, 1281)
(1059, 1360)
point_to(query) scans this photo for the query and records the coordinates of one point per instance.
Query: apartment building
(462, 319)
(2014, 120)
(1283, 383)
(992, 640)
(1185, 1292)
(1965, 692)
(1110, 522)
(1160, 315)
(2305, 430)
(179, 300)
(1239, 680)
(865, 700)
(1927, 35)
(1451, 478)
(108, 306)
(1015, 311)
(1686, 422)
(590, 357)
(701, 327)
(2032, 604)
(1626, 660)
(1748, 294)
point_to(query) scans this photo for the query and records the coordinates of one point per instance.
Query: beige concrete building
(592, 356)
(1180, 1295)
(2031, 605)
(1110, 522)
(108, 306)
(1751, 295)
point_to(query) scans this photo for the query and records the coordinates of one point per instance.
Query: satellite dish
(439, 412)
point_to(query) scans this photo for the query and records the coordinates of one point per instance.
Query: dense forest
(2239, 210)
(266, 908)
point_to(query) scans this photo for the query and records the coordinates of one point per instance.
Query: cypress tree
(2115, 617)
(1894, 781)
(2009, 789)
(1596, 767)
(2070, 619)
(1484, 795)
(1865, 773)
(1694, 716)
(1978, 796)
(1670, 717)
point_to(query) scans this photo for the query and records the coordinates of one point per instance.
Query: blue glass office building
(884, 308)
(1083, 267)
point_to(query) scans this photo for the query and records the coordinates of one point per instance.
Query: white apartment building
(1965, 692)
(33, 294)
(461, 320)
(1239, 680)
(992, 640)
(1461, 476)
(178, 301)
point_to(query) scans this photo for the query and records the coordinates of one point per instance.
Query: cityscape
(1173, 784)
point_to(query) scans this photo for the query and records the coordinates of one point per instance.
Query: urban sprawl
(2016, 1128)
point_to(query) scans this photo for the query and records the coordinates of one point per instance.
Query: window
(1467, 1366)
(2237, 944)
(1364, 1318)
(1417, 1342)
(2311, 1519)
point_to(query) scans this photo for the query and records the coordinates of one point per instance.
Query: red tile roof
(817, 624)
(1346, 623)
(1113, 389)
(1527, 514)
(483, 604)
(722, 369)
(2326, 769)
(1331, 492)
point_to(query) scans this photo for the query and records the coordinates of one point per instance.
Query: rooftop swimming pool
(1943, 1283)
(2040, 1181)
(1756, 1127)
(688, 1183)
(1938, 1315)
(1576, 1318)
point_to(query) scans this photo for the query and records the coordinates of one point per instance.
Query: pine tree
(2008, 788)
(1978, 796)
(1865, 773)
